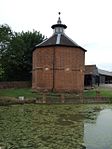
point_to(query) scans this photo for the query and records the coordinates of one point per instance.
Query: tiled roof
(59, 40)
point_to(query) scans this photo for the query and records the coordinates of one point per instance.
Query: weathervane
(59, 20)
(59, 13)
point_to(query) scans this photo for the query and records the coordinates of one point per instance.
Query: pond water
(98, 135)
(56, 126)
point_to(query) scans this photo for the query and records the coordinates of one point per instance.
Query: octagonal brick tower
(58, 63)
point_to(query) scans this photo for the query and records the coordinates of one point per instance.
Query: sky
(89, 23)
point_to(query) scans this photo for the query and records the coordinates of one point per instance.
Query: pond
(58, 126)
(98, 135)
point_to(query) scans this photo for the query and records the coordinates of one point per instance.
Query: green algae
(45, 126)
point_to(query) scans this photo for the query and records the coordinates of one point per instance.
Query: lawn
(27, 93)
(104, 91)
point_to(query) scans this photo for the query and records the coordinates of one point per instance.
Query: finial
(59, 27)
(59, 20)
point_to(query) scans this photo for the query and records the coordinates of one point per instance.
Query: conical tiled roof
(59, 38)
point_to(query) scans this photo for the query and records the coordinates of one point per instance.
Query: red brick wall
(68, 68)
(42, 59)
(15, 84)
(72, 59)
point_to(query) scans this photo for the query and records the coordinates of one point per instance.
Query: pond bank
(54, 100)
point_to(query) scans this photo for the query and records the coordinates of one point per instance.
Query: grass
(14, 92)
(90, 93)
(27, 93)
(104, 92)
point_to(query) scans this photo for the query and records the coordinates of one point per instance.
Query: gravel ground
(106, 85)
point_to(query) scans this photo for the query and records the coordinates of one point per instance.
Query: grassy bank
(27, 93)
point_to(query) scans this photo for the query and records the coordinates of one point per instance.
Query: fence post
(81, 97)
(44, 98)
(98, 94)
(62, 98)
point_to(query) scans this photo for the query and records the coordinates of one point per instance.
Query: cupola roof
(59, 38)
(59, 27)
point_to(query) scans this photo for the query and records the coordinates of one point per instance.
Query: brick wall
(15, 84)
(66, 74)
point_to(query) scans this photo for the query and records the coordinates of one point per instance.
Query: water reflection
(98, 135)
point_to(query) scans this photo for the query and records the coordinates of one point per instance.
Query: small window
(56, 29)
(61, 30)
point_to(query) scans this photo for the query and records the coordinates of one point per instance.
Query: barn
(58, 63)
(91, 76)
(95, 76)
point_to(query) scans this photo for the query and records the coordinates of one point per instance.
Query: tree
(21, 53)
(5, 38)
(1, 72)
(17, 56)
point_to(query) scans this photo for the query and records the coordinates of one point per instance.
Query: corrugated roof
(93, 70)
(104, 72)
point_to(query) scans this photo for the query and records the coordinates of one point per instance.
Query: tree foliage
(16, 52)
(1, 71)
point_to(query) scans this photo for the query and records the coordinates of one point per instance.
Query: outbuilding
(91, 78)
(95, 76)
(105, 76)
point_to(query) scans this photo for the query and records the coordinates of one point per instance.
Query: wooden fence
(48, 100)
(73, 100)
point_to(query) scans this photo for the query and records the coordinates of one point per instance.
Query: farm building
(95, 76)
(58, 63)
(105, 76)
(91, 75)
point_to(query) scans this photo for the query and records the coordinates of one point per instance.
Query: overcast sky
(89, 23)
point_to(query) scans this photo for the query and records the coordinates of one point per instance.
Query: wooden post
(44, 98)
(98, 94)
(81, 97)
(62, 98)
